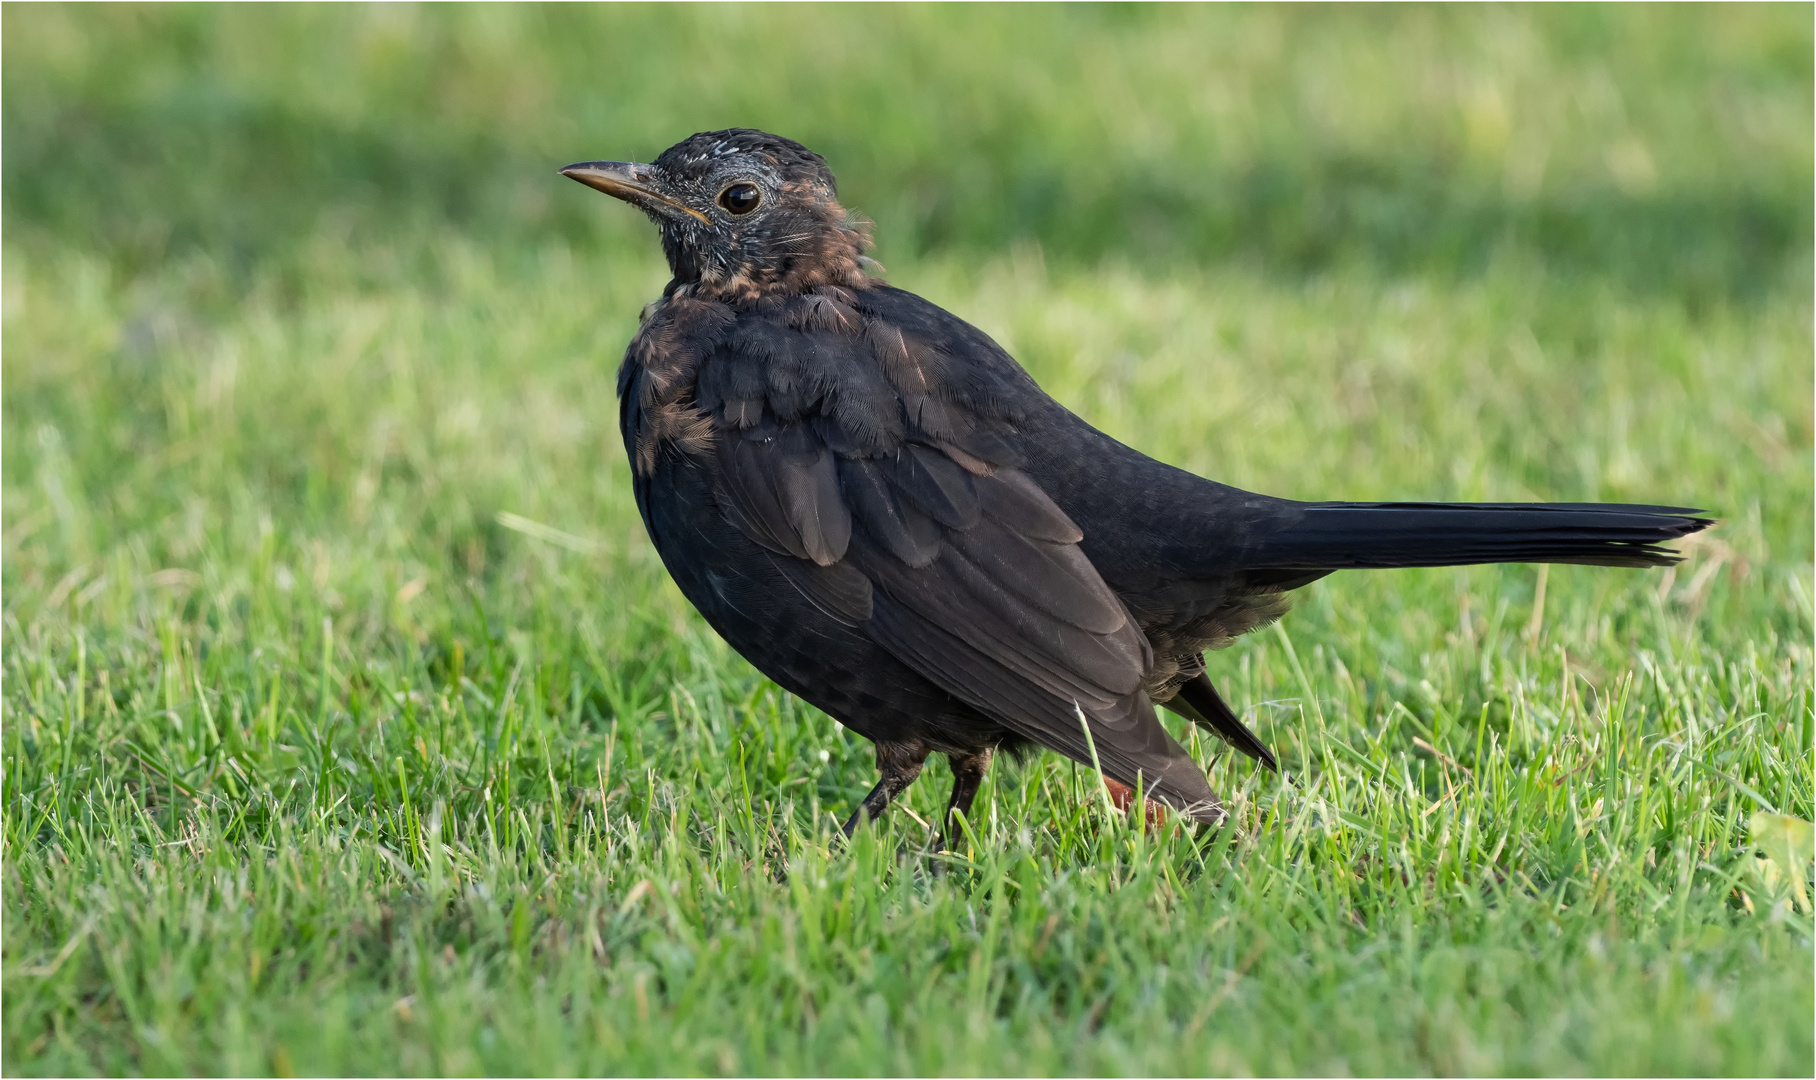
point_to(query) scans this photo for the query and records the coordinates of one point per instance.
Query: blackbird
(873, 503)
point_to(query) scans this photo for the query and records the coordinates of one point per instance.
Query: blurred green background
(317, 529)
(1658, 149)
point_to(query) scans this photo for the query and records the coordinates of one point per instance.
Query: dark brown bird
(875, 505)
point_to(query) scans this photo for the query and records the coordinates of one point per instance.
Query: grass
(352, 726)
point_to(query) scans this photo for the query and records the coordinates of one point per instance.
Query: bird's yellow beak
(631, 182)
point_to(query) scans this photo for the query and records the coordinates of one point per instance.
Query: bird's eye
(740, 198)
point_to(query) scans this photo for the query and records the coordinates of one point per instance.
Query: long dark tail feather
(1199, 702)
(1335, 536)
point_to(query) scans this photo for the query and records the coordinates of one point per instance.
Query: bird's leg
(967, 775)
(899, 763)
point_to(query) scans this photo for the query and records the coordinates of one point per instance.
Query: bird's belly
(736, 586)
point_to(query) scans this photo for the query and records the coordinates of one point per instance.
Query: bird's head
(742, 212)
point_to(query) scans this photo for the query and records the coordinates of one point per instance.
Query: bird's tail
(1199, 702)
(1337, 536)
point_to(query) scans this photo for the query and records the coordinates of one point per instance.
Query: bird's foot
(1122, 795)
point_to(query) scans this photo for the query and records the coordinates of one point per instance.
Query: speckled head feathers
(706, 151)
(743, 214)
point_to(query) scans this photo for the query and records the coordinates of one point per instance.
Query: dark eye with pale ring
(740, 198)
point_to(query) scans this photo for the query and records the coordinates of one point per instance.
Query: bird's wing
(894, 504)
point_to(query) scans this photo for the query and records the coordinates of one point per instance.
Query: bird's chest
(699, 372)
(658, 383)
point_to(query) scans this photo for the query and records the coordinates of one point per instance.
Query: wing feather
(839, 590)
(903, 529)
(1013, 498)
(937, 484)
(1055, 578)
(782, 489)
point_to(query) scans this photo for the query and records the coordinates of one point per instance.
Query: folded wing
(886, 488)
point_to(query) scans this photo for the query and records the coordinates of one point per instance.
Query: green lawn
(351, 724)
